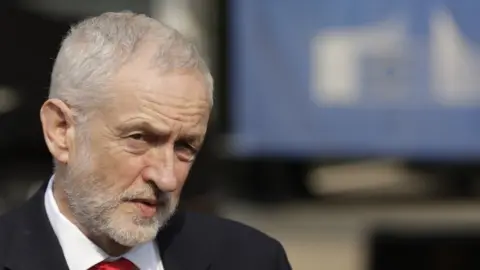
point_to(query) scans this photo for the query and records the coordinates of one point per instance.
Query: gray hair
(96, 48)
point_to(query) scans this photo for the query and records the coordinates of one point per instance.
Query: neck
(104, 242)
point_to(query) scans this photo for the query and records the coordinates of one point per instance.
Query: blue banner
(351, 78)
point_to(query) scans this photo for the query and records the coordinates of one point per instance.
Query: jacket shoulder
(8, 221)
(229, 235)
(226, 228)
(233, 244)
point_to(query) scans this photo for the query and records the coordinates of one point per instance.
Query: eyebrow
(191, 137)
(131, 125)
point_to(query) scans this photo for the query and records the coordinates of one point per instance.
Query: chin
(130, 229)
(131, 234)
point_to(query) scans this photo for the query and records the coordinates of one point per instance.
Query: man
(127, 112)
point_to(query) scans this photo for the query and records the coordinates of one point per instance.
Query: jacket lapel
(33, 241)
(180, 247)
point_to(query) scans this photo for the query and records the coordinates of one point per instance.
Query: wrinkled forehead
(144, 71)
(177, 89)
(177, 98)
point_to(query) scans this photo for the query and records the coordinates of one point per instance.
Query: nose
(161, 172)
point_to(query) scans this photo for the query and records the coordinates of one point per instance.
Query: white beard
(94, 202)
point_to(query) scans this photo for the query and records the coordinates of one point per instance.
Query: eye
(138, 142)
(137, 136)
(185, 151)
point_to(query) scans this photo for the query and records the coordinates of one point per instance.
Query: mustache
(151, 193)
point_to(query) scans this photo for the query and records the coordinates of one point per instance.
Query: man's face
(130, 161)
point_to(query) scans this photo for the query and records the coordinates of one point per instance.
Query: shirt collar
(81, 253)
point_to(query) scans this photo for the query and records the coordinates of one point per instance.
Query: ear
(58, 128)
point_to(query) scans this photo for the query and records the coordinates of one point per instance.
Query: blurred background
(347, 129)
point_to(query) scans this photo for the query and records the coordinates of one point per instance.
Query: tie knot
(120, 264)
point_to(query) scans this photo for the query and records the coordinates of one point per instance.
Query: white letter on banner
(454, 63)
(337, 56)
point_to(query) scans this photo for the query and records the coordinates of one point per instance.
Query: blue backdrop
(356, 77)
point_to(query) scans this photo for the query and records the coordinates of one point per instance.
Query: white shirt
(81, 253)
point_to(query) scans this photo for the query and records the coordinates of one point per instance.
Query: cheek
(120, 170)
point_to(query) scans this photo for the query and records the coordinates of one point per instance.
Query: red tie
(120, 264)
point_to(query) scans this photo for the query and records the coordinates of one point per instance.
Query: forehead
(188, 86)
(175, 100)
(139, 74)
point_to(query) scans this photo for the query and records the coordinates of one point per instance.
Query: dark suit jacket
(189, 242)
